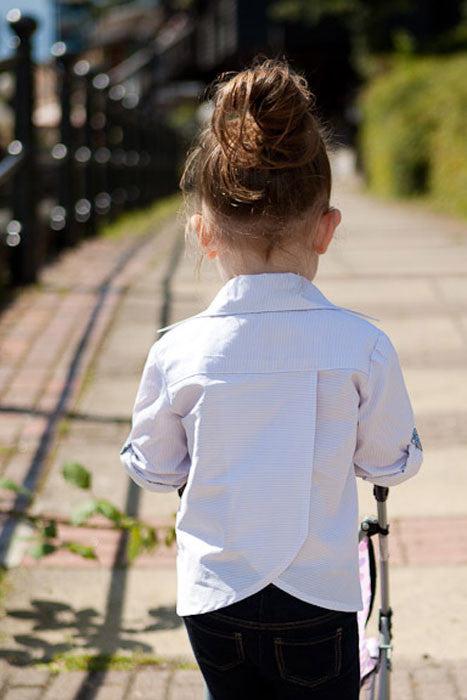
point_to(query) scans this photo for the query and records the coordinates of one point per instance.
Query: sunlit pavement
(72, 350)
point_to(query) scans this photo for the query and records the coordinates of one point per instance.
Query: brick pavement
(414, 541)
(40, 339)
(88, 305)
(426, 680)
(160, 683)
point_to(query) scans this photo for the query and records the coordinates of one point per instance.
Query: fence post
(24, 262)
(103, 200)
(64, 152)
(83, 157)
(90, 181)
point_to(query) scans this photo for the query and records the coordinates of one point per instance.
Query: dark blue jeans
(273, 645)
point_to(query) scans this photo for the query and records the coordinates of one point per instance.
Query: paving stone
(431, 540)
(23, 675)
(401, 684)
(434, 680)
(18, 466)
(65, 686)
(111, 677)
(458, 673)
(186, 685)
(8, 429)
(150, 683)
(4, 673)
(109, 692)
(24, 694)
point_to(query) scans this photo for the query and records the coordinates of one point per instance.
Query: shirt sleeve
(388, 448)
(155, 453)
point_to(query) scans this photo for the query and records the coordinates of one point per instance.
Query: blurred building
(105, 32)
(221, 35)
(80, 23)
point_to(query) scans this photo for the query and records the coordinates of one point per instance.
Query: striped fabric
(267, 405)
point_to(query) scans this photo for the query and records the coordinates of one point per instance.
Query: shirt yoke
(327, 339)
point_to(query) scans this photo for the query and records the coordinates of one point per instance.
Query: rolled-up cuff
(397, 473)
(136, 469)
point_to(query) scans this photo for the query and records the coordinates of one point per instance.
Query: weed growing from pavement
(5, 587)
(7, 450)
(141, 536)
(64, 428)
(88, 378)
(3, 584)
(111, 662)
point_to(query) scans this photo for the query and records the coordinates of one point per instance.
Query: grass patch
(107, 662)
(64, 428)
(7, 450)
(5, 586)
(89, 376)
(143, 220)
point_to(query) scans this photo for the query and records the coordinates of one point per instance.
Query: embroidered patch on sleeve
(416, 440)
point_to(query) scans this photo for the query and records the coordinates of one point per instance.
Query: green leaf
(135, 542)
(50, 530)
(81, 549)
(42, 549)
(126, 522)
(83, 511)
(109, 511)
(149, 538)
(76, 475)
(170, 537)
(10, 485)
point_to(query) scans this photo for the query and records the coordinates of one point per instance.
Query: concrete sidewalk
(72, 351)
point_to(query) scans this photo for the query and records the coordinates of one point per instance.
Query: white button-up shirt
(267, 405)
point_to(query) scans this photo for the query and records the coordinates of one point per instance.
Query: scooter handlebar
(381, 493)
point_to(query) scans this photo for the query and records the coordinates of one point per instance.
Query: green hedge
(413, 137)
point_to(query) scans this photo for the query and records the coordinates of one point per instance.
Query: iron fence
(112, 150)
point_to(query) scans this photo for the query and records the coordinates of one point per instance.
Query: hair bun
(261, 164)
(263, 118)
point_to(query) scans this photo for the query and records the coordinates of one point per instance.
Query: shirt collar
(270, 291)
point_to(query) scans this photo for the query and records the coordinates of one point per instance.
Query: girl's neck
(231, 266)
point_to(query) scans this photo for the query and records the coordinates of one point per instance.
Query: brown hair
(262, 161)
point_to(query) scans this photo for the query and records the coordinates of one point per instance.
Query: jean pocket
(214, 648)
(309, 663)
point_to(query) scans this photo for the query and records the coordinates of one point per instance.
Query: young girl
(267, 405)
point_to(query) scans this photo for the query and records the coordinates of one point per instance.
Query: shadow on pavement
(82, 630)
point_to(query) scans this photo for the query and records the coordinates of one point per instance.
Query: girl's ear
(328, 223)
(196, 223)
(204, 237)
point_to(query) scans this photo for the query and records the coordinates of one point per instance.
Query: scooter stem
(385, 613)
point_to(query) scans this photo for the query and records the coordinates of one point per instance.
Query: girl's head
(260, 176)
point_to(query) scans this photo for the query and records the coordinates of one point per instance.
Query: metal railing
(114, 151)
(19, 165)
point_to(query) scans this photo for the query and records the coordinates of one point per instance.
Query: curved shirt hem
(314, 600)
(237, 596)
